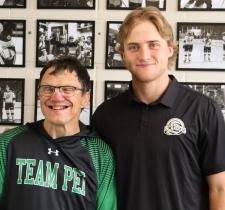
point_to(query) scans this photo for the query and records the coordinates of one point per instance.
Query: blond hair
(153, 15)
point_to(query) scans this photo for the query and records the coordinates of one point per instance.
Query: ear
(170, 51)
(85, 99)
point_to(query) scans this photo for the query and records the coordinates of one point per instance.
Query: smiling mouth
(58, 107)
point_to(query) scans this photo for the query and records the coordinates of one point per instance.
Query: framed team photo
(201, 5)
(60, 37)
(12, 43)
(133, 4)
(85, 115)
(113, 88)
(12, 3)
(113, 59)
(201, 46)
(11, 101)
(216, 91)
(66, 4)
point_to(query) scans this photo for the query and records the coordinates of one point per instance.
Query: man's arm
(106, 195)
(216, 184)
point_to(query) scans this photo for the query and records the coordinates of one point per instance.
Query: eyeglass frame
(60, 90)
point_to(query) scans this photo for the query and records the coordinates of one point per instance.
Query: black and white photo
(85, 115)
(201, 46)
(113, 88)
(66, 4)
(216, 91)
(12, 43)
(113, 59)
(11, 101)
(58, 37)
(201, 5)
(133, 4)
(12, 3)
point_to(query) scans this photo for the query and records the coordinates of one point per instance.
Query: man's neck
(57, 131)
(149, 92)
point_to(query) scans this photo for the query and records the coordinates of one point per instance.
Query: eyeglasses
(67, 91)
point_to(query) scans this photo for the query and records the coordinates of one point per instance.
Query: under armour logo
(50, 151)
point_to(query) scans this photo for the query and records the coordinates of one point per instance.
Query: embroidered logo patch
(50, 151)
(174, 126)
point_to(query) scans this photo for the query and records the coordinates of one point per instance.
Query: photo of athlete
(9, 101)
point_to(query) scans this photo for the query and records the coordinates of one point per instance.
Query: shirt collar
(167, 99)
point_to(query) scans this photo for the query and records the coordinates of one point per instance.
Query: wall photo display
(60, 37)
(113, 59)
(12, 3)
(66, 4)
(12, 43)
(133, 4)
(85, 115)
(201, 5)
(113, 88)
(201, 46)
(216, 91)
(11, 101)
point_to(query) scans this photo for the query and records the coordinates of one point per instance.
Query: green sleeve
(4, 141)
(104, 164)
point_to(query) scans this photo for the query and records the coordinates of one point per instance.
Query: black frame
(199, 5)
(207, 46)
(216, 91)
(125, 4)
(47, 47)
(66, 4)
(112, 91)
(13, 44)
(111, 45)
(14, 4)
(17, 88)
(86, 118)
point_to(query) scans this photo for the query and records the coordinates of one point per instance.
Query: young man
(57, 163)
(168, 140)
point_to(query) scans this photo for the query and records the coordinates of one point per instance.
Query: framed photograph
(66, 4)
(12, 3)
(60, 37)
(113, 88)
(11, 101)
(113, 59)
(85, 115)
(201, 5)
(216, 91)
(132, 4)
(12, 43)
(201, 46)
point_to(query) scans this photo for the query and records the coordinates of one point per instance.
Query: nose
(145, 53)
(57, 95)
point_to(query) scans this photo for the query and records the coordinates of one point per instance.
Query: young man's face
(58, 109)
(146, 53)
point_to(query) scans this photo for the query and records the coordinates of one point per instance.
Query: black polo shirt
(165, 150)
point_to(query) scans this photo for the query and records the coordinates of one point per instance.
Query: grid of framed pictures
(201, 46)
(11, 101)
(113, 59)
(12, 3)
(59, 37)
(201, 5)
(12, 43)
(132, 4)
(85, 115)
(66, 4)
(113, 88)
(214, 90)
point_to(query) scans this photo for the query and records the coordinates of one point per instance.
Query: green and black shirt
(67, 173)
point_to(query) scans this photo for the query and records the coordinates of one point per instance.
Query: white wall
(100, 15)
